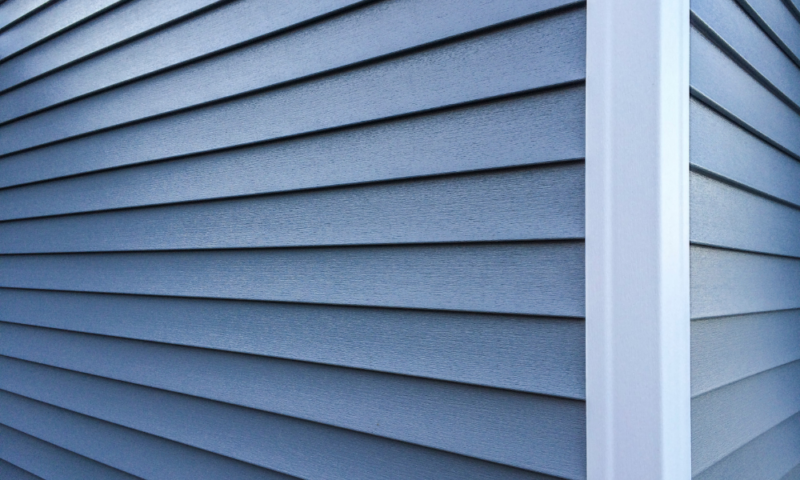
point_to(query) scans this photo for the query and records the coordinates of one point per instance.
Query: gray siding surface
(337, 239)
(745, 233)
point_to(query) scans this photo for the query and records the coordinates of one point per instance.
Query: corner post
(637, 240)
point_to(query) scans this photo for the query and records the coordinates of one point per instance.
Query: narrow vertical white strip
(637, 240)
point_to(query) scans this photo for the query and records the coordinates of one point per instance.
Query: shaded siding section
(745, 233)
(358, 226)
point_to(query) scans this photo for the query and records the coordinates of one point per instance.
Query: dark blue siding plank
(296, 447)
(728, 282)
(530, 278)
(9, 471)
(717, 77)
(490, 350)
(728, 349)
(160, 48)
(138, 453)
(340, 41)
(539, 203)
(727, 418)
(532, 55)
(745, 37)
(768, 457)
(720, 147)
(532, 129)
(516, 429)
(48, 22)
(49, 461)
(775, 18)
(725, 216)
(13, 11)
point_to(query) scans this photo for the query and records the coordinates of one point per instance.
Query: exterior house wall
(330, 239)
(745, 232)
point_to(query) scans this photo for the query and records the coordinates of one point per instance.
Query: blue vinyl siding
(324, 240)
(745, 233)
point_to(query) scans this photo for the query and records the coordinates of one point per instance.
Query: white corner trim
(637, 240)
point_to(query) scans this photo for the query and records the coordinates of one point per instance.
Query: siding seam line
(719, 109)
(68, 450)
(209, 452)
(731, 53)
(574, 5)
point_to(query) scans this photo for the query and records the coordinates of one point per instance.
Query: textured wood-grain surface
(745, 219)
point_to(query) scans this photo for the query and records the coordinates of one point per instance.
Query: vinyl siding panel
(357, 226)
(57, 17)
(476, 207)
(539, 278)
(530, 129)
(512, 428)
(745, 219)
(13, 472)
(49, 461)
(238, 432)
(128, 450)
(471, 69)
(14, 11)
(275, 30)
(480, 349)
(104, 34)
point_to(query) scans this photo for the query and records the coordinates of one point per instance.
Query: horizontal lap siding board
(375, 252)
(14, 11)
(531, 55)
(56, 18)
(745, 231)
(9, 471)
(539, 278)
(127, 29)
(335, 42)
(49, 461)
(131, 451)
(479, 349)
(532, 129)
(238, 432)
(476, 207)
(510, 428)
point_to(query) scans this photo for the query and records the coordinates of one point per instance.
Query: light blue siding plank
(720, 147)
(516, 429)
(538, 278)
(528, 56)
(717, 77)
(794, 474)
(725, 216)
(539, 203)
(728, 349)
(120, 38)
(490, 350)
(538, 128)
(768, 457)
(315, 48)
(728, 282)
(10, 471)
(138, 453)
(13, 11)
(48, 22)
(49, 461)
(727, 418)
(294, 447)
(744, 37)
(775, 17)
